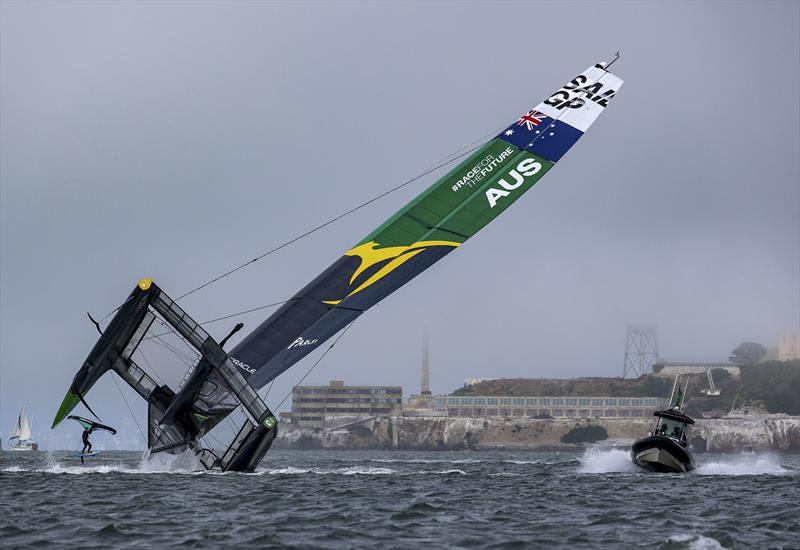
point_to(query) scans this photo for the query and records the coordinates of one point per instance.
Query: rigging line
(339, 217)
(269, 389)
(186, 359)
(316, 363)
(129, 410)
(177, 351)
(150, 365)
(224, 317)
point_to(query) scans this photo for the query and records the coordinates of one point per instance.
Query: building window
(492, 401)
(636, 402)
(505, 401)
(584, 402)
(611, 402)
(597, 402)
(530, 402)
(584, 413)
(572, 401)
(624, 402)
(518, 401)
(611, 412)
(558, 401)
(544, 401)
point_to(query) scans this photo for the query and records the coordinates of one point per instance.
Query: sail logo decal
(482, 168)
(243, 366)
(567, 96)
(526, 168)
(301, 342)
(394, 256)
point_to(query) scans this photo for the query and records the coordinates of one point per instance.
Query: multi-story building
(543, 406)
(788, 348)
(313, 405)
(671, 369)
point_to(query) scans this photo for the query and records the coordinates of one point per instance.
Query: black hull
(658, 453)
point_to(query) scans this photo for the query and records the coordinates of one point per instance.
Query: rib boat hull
(661, 454)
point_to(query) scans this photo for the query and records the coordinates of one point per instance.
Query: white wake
(602, 461)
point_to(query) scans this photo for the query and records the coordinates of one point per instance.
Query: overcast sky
(177, 140)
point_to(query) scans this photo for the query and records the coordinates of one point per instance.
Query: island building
(547, 406)
(323, 406)
(670, 369)
(426, 405)
(787, 349)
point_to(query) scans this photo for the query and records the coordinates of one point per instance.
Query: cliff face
(766, 432)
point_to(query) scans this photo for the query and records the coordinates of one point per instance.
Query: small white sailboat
(20, 437)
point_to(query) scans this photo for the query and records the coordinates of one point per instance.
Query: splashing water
(602, 461)
(692, 542)
(185, 462)
(742, 465)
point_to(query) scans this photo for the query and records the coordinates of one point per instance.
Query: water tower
(641, 350)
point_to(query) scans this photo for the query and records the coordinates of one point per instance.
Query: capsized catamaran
(431, 226)
(20, 438)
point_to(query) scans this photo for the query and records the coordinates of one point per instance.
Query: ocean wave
(353, 470)
(691, 541)
(426, 460)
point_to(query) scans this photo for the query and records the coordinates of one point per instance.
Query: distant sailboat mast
(22, 432)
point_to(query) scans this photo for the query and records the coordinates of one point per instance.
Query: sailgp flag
(541, 135)
(554, 125)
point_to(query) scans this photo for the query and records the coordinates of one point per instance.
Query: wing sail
(431, 226)
(91, 424)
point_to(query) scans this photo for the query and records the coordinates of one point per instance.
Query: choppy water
(401, 500)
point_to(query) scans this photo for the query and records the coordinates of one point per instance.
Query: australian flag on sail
(542, 135)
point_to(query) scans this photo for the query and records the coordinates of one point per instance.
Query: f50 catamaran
(188, 414)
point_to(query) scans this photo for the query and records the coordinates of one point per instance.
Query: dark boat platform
(659, 453)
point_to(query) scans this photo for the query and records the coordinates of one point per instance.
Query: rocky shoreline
(775, 432)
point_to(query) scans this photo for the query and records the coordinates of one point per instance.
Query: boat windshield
(670, 428)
